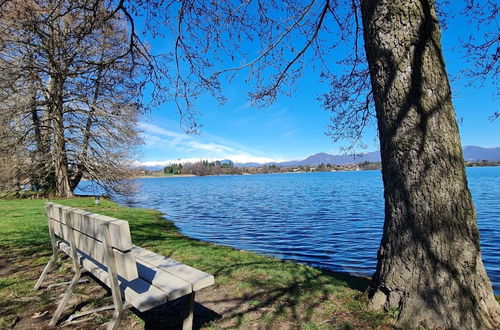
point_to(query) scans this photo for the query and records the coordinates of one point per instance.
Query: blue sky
(294, 127)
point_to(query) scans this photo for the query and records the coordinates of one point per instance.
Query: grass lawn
(251, 291)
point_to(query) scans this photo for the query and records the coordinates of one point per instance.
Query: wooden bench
(102, 246)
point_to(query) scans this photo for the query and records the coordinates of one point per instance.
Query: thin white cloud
(171, 161)
(244, 106)
(236, 158)
(289, 133)
(154, 129)
(248, 158)
(211, 148)
(154, 140)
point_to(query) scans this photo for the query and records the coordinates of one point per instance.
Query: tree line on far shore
(205, 167)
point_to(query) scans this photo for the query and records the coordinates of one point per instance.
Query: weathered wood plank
(125, 261)
(173, 286)
(90, 223)
(139, 293)
(197, 278)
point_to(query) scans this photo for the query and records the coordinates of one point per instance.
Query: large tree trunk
(429, 263)
(63, 188)
(39, 172)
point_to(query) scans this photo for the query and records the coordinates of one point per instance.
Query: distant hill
(471, 153)
(474, 153)
(323, 158)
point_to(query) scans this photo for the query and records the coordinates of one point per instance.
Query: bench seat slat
(125, 261)
(141, 294)
(197, 278)
(173, 286)
(90, 223)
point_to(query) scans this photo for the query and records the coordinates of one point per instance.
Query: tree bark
(429, 262)
(39, 172)
(60, 158)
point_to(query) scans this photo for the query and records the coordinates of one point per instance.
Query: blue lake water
(331, 220)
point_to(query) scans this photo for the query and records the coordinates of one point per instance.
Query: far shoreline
(161, 175)
(236, 174)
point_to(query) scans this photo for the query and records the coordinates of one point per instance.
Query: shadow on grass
(169, 316)
(264, 306)
(301, 294)
(29, 248)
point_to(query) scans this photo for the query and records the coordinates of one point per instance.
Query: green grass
(264, 292)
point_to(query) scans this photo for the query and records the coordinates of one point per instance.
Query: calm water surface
(331, 220)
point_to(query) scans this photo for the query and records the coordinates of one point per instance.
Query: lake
(330, 220)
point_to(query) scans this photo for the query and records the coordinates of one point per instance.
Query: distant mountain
(150, 167)
(248, 164)
(471, 153)
(474, 153)
(323, 158)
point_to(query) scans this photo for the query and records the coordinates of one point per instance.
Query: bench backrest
(88, 236)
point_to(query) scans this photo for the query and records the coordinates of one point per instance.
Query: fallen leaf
(38, 315)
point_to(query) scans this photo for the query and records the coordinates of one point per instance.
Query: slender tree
(73, 81)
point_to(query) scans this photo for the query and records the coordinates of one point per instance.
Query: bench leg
(64, 300)
(188, 317)
(117, 316)
(46, 270)
(115, 320)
